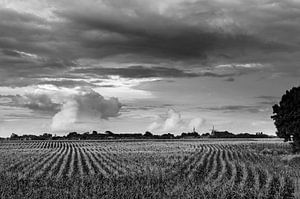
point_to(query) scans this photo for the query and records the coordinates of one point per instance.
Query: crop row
(210, 166)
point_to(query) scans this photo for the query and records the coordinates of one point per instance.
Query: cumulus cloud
(87, 106)
(68, 107)
(36, 102)
(196, 123)
(172, 121)
(169, 122)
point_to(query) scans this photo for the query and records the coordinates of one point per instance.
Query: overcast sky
(137, 65)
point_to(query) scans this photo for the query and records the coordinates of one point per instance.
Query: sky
(129, 66)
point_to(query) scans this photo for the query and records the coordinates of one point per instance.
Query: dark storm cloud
(99, 34)
(23, 32)
(235, 108)
(157, 36)
(66, 83)
(29, 48)
(138, 72)
(19, 68)
(228, 72)
(131, 107)
(207, 32)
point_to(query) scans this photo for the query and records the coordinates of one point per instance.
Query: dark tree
(14, 136)
(73, 135)
(46, 136)
(109, 133)
(148, 134)
(167, 136)
(287, 117)
(205, 135)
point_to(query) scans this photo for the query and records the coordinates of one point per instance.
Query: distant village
(108, 135)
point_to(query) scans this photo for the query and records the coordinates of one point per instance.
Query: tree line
(94, 135)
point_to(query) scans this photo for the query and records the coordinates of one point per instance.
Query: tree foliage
(287, 117)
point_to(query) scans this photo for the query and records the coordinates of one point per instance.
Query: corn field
(144, 169)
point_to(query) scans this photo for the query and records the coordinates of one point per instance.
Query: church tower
(213, 130)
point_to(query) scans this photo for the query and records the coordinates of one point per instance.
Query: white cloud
(172, 122)
(86, 106)
(196, 123)
(169, 122)
(66, 117)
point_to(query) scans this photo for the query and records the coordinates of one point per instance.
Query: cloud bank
(183, 34)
